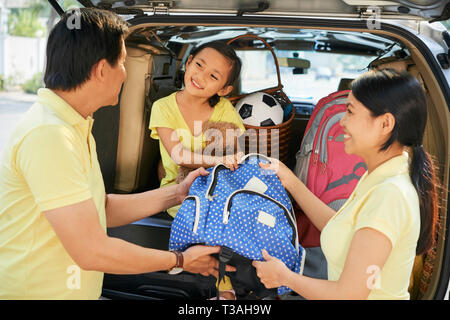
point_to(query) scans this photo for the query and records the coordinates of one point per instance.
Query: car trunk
(129, 157)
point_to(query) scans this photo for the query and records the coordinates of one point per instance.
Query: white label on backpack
(266, 219)
(255, 184)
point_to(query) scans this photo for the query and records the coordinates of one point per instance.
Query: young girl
(371, 242)
(177, 119)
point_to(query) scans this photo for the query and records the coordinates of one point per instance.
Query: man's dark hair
(77, 42)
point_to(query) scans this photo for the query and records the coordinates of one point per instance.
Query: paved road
(12, 106)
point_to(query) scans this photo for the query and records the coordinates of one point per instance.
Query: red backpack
(322, 163)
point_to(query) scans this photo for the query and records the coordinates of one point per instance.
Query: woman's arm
(366, 257)
(316, 210)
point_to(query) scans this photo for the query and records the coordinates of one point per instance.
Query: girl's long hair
(401, 94)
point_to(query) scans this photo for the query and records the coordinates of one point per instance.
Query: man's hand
(197, 259)
(183, 187)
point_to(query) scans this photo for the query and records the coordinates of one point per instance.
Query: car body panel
(425, 40)
(423, 9)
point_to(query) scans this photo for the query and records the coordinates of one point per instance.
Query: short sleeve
(231, 115)
(385, 210)
(50, 160)
(161, 117)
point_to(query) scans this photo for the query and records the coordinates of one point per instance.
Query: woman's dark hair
(80, 39)
(229, 53)
(400, 93)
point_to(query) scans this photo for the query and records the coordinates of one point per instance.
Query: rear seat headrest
(391, 63)
(344, 84)
(383, 63)
(398, 65)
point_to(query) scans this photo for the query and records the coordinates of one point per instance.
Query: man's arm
(78, 228)
(122, 209)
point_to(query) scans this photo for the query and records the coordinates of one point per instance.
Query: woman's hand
(197, 259)
(286, 176)
(185, 185)
(272, 272)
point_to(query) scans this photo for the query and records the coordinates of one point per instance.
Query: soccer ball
(260, 109)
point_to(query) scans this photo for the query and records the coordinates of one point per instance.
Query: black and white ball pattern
(260, 109)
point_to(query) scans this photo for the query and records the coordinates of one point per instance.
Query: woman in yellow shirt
(371, 242)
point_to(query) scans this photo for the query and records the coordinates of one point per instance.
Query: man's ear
(225, 90)
(98, 70)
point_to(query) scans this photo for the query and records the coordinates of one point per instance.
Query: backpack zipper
(317, 149)
(308, 147)
(197, 212)
(293, 224)
(323, 154)
(217, 168)
(212, 185)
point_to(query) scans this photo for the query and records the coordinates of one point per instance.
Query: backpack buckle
(225, 254)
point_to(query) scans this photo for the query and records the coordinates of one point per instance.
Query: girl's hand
(231, 161)
(285, 175)
(272, 271)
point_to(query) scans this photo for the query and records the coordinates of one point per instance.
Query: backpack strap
(225, 256)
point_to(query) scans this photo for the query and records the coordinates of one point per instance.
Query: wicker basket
(272, 141)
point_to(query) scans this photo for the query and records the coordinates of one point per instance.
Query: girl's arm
(367, 254)
(186, 158)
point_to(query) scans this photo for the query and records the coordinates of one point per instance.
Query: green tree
(447, 24)
(25, 22)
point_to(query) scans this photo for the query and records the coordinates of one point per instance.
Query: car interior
(312, 62)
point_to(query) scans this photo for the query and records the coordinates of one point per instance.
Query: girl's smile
(207, 74)
(195, 84)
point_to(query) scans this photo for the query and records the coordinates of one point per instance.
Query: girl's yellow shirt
(166, 114)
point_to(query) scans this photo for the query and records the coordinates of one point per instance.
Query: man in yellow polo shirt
(53, 207)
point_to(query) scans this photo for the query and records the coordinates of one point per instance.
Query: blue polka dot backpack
(243, 211)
